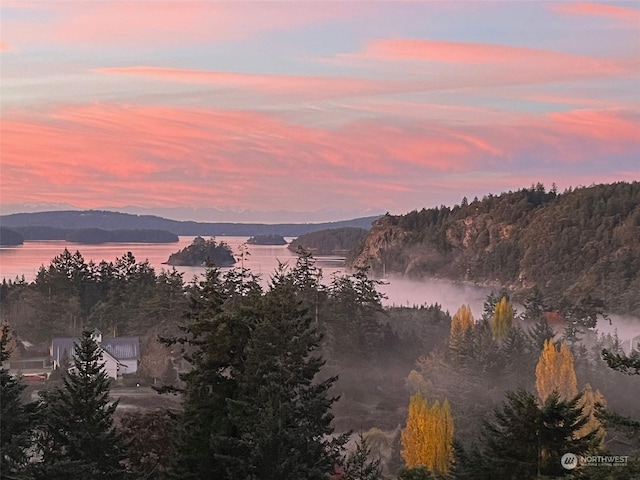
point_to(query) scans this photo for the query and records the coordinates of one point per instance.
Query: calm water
(263, 259)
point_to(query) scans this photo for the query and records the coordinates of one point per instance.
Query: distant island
(10, 238)
(95, 236)
(61, 221)
(267, 240)
(202, 251)
(332, 241)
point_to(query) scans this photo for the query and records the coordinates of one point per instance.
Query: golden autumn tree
(461, 324)
(502, 319)
(588, 404)
(555, 371)
(427, 439)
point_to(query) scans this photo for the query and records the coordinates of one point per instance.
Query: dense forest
(580, 243)
(87, 235)
(332, 241)
(267, 240)
(10, 237)
(278, 375)
(202, 252)
(75, 220)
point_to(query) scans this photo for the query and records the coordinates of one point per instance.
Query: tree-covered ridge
(579, 243)
(88, 235)
(329, 242)
(201, 252)
(267, 240)
(10, 237)
(73, 220)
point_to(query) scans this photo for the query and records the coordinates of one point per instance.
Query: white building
(120, 355)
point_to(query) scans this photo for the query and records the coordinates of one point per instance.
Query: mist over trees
(278, 375)
(576, 244)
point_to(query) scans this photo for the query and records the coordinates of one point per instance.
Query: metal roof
(121, 348)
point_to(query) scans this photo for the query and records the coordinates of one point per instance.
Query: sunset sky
(340, 108)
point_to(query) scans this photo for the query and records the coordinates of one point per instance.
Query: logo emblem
(569, 461)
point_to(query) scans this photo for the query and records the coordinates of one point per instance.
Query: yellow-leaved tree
(461, 324)
(588, 403)
(427, 439)
(502, 319)
(555, 371)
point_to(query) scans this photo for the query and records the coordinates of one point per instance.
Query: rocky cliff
(580, 243)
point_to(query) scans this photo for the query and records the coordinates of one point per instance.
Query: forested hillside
(330, 241)
(581, 243)
(73, 220)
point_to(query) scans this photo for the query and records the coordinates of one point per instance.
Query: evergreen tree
(282, 412)
(359, 466)
(16, 417)
(540, 333)
(77, 437)
(525, 440)
(555, 372)
(213, 343)
(414, 473)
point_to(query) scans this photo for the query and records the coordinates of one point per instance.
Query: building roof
(120, 348)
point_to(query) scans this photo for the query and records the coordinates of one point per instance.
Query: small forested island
(267, 240)
(202, 251)
(10, 237)
(332, 241)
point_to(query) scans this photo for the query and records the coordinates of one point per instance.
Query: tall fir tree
(77, 437)
(16, 416)
(359, 465)
(525, 440)
(213, 342)
(282, 412)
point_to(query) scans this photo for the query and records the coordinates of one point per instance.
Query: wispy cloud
(162, 23)
(293, 86)
(624, 14)
(198, 156)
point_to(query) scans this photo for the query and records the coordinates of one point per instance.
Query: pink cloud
(437, 64)
(624, 14)
(99, 154)
(485, 54)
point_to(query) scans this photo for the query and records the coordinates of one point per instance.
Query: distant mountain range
(108, 220)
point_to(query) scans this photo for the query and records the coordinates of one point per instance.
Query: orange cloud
(625, 14)
(4, 47)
